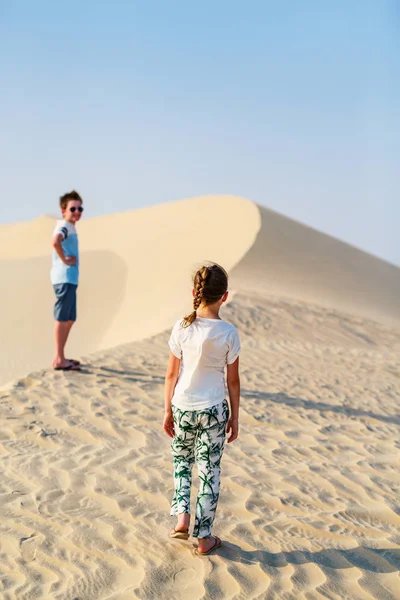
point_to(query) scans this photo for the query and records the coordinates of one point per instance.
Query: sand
(309, 505)
(135, 268)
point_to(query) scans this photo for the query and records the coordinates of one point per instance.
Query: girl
(196, 412)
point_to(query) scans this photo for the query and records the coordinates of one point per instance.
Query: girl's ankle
(183, 524)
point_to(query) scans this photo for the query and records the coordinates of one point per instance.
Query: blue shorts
(65, 306)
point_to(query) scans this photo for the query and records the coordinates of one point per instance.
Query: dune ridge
(292, 259)
(135, 272)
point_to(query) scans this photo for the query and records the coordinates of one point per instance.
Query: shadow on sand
(281, 398)
(376, 560)
(124, 375)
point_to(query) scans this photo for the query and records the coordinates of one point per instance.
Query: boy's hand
(168, 425)
(233, 428)
(70, 261)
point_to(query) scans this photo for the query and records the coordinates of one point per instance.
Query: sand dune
(291, 259)
(135, 268)
(135, 271)
(309, 505)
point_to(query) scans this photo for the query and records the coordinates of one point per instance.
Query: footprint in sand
(29, 546)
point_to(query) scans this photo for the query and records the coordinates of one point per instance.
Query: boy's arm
(67, 260)
(233, 382)
(171, 377)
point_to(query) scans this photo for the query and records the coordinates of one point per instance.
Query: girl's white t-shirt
(205, 348)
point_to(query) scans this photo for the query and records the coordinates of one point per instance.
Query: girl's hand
(233, 428)
(168, 424)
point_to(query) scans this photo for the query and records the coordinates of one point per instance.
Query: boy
(65, 275)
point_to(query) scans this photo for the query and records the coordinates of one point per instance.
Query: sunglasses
(74, 208)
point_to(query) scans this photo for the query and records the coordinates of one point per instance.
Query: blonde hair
(210, 283)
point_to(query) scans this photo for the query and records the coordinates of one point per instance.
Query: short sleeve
(234, 347)
(61, 228)
(174, 341)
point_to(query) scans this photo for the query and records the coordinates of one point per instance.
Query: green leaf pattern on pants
(199, 437)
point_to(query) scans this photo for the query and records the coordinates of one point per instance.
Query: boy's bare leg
(61, 332)
(69, 323)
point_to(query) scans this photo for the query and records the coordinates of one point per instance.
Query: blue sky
(293, 104)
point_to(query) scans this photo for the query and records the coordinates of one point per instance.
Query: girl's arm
(233, 382)
(171, 377)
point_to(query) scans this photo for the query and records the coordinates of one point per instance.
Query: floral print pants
(199, 437)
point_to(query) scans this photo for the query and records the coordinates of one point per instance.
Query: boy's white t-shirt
(205, 348)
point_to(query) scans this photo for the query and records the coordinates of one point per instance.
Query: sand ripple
(309, 507)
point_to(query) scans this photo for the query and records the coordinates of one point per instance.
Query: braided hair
(210, 284)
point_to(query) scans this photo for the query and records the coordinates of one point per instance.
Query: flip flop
(217, 544)
(73, 361)
(179, 535)
(70, 367)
